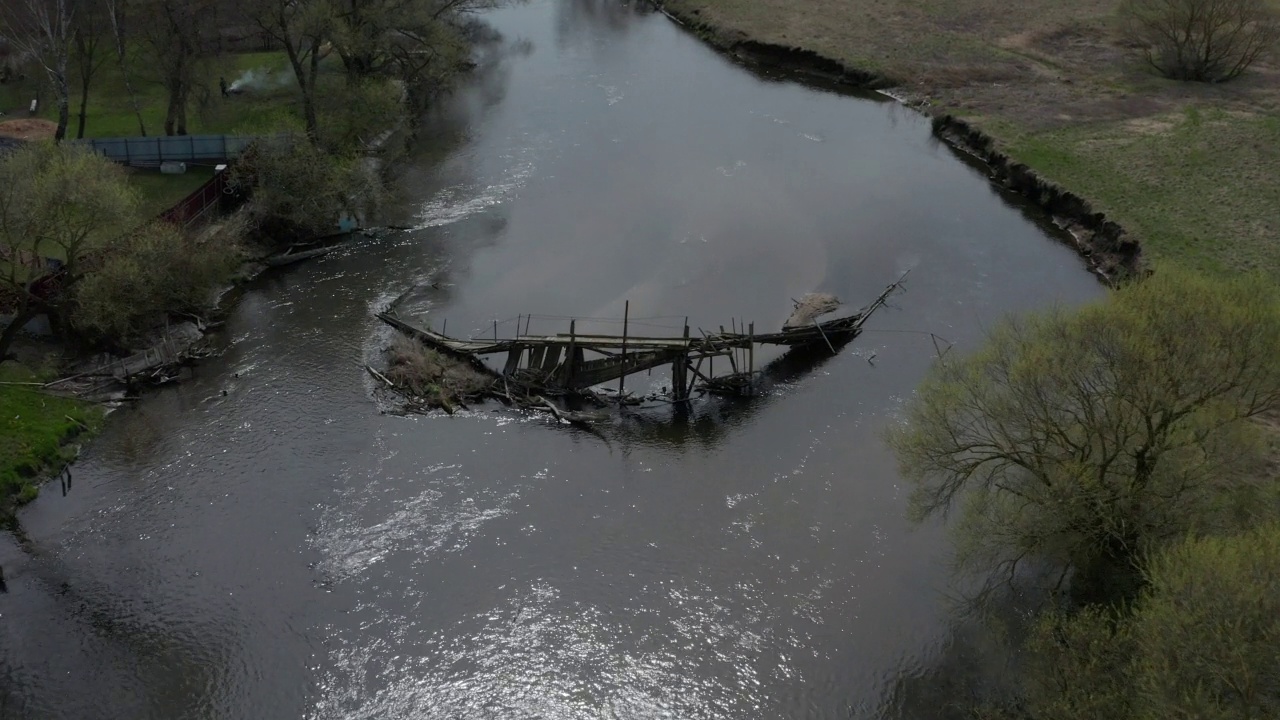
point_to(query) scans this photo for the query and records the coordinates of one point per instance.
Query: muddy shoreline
(1111, 253)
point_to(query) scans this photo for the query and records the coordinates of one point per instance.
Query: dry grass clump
(431, 376)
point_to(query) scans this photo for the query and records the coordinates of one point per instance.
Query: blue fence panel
(176, 148)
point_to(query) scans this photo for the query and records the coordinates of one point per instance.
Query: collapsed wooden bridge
(558, 364)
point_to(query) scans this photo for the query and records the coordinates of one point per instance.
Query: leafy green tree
(1077, 441)
(1207, 634)
(148, 273)
(61, 203)
(298, 190)
(1200, 643)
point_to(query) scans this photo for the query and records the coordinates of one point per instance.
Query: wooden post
(622, 377)
(680, 372)
(495, 330)
(513, 360)
(571, 360)
(733, 363)
(751, 349)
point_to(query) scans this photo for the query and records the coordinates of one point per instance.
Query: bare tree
(115, 12)
(1201, 40)
(301, 27)
(43, 30)
(400, 37)
(176, 36)
(88, 54)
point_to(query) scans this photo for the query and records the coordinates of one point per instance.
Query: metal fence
(205, 203)
(151, 151)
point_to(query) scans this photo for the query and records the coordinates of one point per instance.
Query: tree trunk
(122, 57)
(133, 100)
(306, 84)
(64, 104)
(84, 104)
(171, 115)
(313, 124)
(182, 109)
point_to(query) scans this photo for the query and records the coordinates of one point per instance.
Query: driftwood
(289, 257)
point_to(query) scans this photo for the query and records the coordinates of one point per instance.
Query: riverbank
(36, 435)
(1048, 96)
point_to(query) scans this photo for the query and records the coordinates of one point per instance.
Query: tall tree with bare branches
(115, 13)
(88, 54)
(43, 29)
(301, 27)
(176, 35)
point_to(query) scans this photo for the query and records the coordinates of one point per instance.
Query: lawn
(160, 192)
(33, 430)
(1192, 170)
(110, 114)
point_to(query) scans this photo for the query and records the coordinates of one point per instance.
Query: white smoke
(260, 79)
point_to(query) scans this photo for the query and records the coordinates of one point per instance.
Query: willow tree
(1075, 441)
(60, 207)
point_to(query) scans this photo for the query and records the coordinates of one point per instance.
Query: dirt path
(28, 129)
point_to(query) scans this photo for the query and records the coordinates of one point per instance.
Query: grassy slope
(161, 192)
(33, 428)
(1192, 170)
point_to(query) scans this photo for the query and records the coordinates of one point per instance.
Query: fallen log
(288, 257)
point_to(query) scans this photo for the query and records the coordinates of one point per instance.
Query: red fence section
(204, 201)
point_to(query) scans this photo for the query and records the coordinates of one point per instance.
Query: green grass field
(33, 430)
(160, 192)
(1201, 188)
(110, 114)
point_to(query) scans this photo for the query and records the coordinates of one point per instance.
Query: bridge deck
(557, 361)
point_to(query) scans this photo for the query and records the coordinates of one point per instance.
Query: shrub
(1202, 40)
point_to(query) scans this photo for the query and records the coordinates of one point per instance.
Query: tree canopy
(1077, 441)
(58, 202)
(1200, 643)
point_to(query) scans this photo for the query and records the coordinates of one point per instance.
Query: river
(264, 541)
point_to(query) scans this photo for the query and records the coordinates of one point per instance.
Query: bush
(146, 274)
(1199, 644)
(1202, 40)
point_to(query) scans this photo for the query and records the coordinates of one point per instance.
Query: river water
(265, 542)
